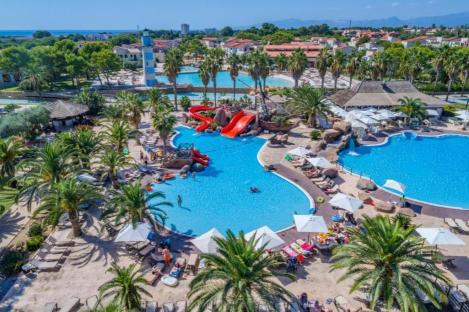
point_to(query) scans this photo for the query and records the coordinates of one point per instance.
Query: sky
(200, 14)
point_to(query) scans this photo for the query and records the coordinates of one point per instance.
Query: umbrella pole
(308, 238)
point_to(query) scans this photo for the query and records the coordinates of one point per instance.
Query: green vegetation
(238, 278)
(28, 123)
(12, 261)
(307, 101)
(185, 103)
(172, 67)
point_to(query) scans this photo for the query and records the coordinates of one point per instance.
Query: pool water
(4, 101)
(220, 196)
(210, 95)
(224, 80)
(434, 169)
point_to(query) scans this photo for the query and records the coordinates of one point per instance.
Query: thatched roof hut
(382, 94)
(64, 110)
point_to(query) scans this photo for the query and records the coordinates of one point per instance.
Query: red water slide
(199, 157)
(238, 124)
(206, 121)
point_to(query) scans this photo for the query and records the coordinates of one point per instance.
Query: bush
(280, 119)
(12, 261)
(29, 122)
(315, 135)
(185, 103)
(34, 243)
(449, 110)
(35, 229)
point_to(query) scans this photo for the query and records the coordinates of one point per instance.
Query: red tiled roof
(235, 43)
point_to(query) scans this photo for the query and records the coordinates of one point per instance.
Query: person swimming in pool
(254, 189)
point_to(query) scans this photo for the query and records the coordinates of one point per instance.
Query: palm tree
(322, 63)
(85, 142)
(297, 64)
(117, 134)
(363, 69)
(157, 98)
(33, 80)
(281, 62)
(391, 264)
(337, 65)
(164, 122)
(172, 67)
(452, 67)
(215, 58)
(48, 166)
(112, 161)
(134, 107)
(438, 61)
(463, 53)
(11, 150)
(68, 196)
(413, 108)
(353, 61)
(238, 278)
(307, 101)
(113, 113)
(234, 67)
(94, 100)
(132, 205)
(381, 62)
(126, 287)
(204, 74)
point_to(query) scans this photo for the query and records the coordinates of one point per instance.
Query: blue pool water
(220, 196)
(434, 169)
(210, 95)
(224, 80)
(4, 101)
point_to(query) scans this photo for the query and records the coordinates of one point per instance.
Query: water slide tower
(149, 78)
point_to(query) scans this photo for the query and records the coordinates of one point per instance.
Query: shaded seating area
(65, 114)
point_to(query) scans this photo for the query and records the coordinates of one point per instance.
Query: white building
(212, 42)
(129, 53)
(238, 46)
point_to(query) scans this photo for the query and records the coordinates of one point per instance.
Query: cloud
(395, 4)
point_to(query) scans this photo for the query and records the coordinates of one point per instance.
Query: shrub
(35, 229)
(34, 242)
(449, 110)
(315, 135)
(280, 119)
(12, 261)
(185, 103)
(28, 121)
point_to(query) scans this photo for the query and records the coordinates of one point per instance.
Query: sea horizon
(61, 32)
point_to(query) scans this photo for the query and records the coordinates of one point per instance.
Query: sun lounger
(178, 268)
(450, 222)
(151, 306)
(146, 250)
(72, 306)
(155, 273)
(192, 262)
(168, 307)
(300, 250)
(62, 243)
(318, 179)
(462, 226)
(304, 245)
(55, 250)
(332, 190)
(181, 306)
(44, 256)
(45, 266)
(51, 307)
(342, 304)
(289, 251)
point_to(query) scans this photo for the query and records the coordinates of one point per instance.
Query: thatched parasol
(63, 110)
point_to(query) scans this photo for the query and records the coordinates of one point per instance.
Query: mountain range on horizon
(450, 20)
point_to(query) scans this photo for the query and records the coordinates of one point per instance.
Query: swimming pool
(210, 95)
(220, 196)
(4, 101)
(434, 169)
(224, 80)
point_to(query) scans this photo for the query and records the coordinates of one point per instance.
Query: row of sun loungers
(50, 257)
(457, 225)
(180, 306)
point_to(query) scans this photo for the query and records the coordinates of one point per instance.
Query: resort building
(311, 50)
(129, 53)
(161, 46)
(65, 114)
(185, 30)
(383, 95)
(149, 78)
(412, 42)
(212, 42)
(238, 46)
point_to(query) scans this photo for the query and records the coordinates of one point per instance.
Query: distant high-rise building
(149, 78)
(184, 29)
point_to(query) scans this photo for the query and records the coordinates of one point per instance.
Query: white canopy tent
(310, 224)
(368, 121)
(439, 236)
(206, 243)
(320, 162)
(267, 237)
(300, 151)
(346, 202)
(394, 185)
(139, 233)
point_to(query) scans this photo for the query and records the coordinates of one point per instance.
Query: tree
(113, 161)
(322, 63)
(215, 58)
(134, 107)
(94, 100)
(452, 67)
(281, 62)
(157, 98)
(85, 144)
(106, 63)
(234, 67)
(126, 287)
(204, 74)
(27, 123)
(46, 167)
(381, 62)
(14, 59)
(413, 108)
(297, 64)
(39, 34)
(33, 80)
(226, 31)
(280, 37)
(238, 278)
(67, 196)
(353, 61)
(438, 61)
(172, 67)
(464, 57)
(337, 65)
(163, 121)
(391, 264)
(11, 149)
(132, 205)
(307, 101)
(117, 135)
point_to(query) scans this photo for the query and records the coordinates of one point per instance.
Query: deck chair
(168, 307)
(72, 306)
(45, 266)
(462, 226)
(342, 304)
(452, 225)
(45, 256)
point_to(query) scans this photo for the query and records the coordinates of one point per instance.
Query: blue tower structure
(149, 76)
